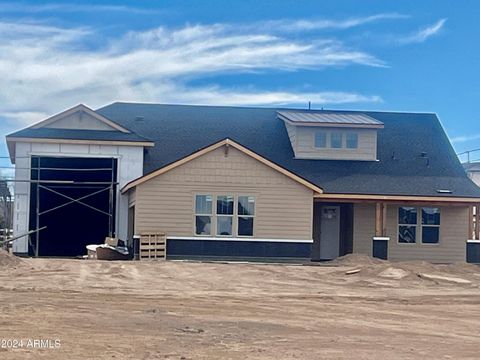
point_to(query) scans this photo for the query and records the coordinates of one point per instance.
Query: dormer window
(333, 135)
(352, 140)
(336, 140)
(320, 139)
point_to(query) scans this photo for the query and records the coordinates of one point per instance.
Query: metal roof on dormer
(328, 119)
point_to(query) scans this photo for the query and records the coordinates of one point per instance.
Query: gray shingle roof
(180, 130)
(328, 118)
(100, 135)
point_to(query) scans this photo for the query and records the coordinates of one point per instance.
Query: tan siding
(453, 234)
(305, 145)
(283, 206)
(292, 134)
(363, 228)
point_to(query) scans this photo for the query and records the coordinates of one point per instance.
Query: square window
(407, 215)
(321, 139)
(245, 226)
(430, 216)
(336, 140)
(203, 225)
(430, 234)
(224, 225)
(352, 140)
(407, 234)
(225, 205)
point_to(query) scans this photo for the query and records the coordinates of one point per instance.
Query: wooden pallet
(153, 246)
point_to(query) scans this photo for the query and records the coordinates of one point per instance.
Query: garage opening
(75, 198)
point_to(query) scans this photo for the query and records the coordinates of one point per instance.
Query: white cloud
(45, 68)
(321, 24)
(424, 33)
(70, 8)
(465, 138)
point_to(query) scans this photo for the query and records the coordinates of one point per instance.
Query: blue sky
(375, 55)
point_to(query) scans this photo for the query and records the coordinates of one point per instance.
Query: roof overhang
(395, 198)
(330, 125)
(225, 142)
(318, 119)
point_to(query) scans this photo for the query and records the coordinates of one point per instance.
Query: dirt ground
(192, 310)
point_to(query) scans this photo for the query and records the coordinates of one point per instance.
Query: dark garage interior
(76, 202)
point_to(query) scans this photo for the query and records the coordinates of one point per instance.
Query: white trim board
(209, 238)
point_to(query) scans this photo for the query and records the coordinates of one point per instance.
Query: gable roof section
(225, 142)
(80, 108)
(180, 130)
(41, 132)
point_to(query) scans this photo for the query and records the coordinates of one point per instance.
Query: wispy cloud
(20, 7)
(465, 138)
(424, 33)
(45, 68)
(322, 24)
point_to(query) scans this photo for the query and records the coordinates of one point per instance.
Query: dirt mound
(358, 260)
(8, 260)
(372, 270)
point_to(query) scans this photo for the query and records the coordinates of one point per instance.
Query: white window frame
(238, 216)
(232, 216)
(419, 227)
(328, 140)
(428, 225)
(342, 139)
(347, 133)
(211, 215)
(327, 135)
(214, 216)
(410, 225)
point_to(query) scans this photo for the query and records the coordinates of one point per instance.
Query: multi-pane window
(352, 140)
(407, 224)
(231, 215)
(336, 140)
(413, 221)
(203, 214)
(225, 215)
(430, 225)
(321, 139)
(246, 214)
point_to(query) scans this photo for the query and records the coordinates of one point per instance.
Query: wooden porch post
(378, 219)
(471, 235)
(477, 222)
(384, 219)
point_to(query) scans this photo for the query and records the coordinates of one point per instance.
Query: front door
(330, 232)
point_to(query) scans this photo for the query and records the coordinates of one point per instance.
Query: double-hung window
(203, 214)
(430, 225)
(225, 215)
(246, 214)
(407, 225)
(413, 222)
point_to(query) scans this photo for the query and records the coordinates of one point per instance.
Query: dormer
(327, 135)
